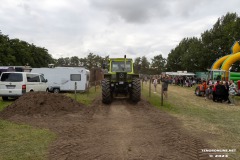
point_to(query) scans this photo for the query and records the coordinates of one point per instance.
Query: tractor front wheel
(136, 90)
(106, 91)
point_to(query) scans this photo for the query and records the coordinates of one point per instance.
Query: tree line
(15, 52)
(191, 54)
(198, 54)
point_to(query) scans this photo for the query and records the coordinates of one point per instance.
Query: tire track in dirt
(122, 130)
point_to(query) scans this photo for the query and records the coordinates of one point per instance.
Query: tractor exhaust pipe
(125, 63)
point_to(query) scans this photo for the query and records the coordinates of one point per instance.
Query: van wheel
(56, 90)
(4, 98)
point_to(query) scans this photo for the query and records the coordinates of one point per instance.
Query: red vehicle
(201, 89)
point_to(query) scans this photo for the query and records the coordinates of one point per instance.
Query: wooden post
(95, 86)
(75, 90)
(162, 95)
(150, 81)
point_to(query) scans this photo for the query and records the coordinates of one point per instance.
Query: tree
(198, 54)
(137, 65)
(158, 64)
(144, 65)
(74, 61)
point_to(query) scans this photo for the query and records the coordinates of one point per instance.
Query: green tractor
(120, 81)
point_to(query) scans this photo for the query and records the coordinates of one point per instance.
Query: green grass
(219, 122)
(4, 104)
(87, 97)
(23, 142)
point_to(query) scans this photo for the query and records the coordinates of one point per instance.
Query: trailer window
(33, 78)
(75, 77)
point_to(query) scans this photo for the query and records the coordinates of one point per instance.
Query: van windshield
(11, 77)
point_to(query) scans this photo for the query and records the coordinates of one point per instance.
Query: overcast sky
(110, 27)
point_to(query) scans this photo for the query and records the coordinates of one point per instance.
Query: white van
(15, 84)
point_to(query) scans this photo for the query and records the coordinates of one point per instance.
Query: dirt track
(121, 130)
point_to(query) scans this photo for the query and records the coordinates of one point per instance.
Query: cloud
(133, 11)
(110, 27)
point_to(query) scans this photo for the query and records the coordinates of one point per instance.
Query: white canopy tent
(184, 73)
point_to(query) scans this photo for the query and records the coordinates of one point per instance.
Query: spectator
(209, 92)
(145, 79)
(226, 94)
(155, 84)
(232, 92)
(210, 82)
(165, 81)
(214, 91)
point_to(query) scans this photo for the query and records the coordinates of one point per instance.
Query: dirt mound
(41, 103)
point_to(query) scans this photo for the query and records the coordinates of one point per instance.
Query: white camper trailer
(65, 78)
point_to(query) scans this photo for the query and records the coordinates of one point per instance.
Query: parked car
(15, 84)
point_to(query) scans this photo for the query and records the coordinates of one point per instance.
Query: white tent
(180, 73)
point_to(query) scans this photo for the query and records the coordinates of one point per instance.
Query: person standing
(155, 84)
(214, 91)
(232, 92)
(165, 81)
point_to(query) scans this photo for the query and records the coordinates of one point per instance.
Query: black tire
(106, 91)
(56, 90)
(136, 90)
(4, 98)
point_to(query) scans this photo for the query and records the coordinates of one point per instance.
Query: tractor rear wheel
(106, 91)
(136, 90)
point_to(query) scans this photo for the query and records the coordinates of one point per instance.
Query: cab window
(33, 78)
(42, 78)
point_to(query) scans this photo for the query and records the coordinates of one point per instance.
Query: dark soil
(122, 130)
(41, 103)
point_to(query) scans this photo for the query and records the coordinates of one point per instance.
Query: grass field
(87, 97)
(23, 142)
(217, 123)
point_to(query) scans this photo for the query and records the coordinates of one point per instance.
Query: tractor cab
(121, 80)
